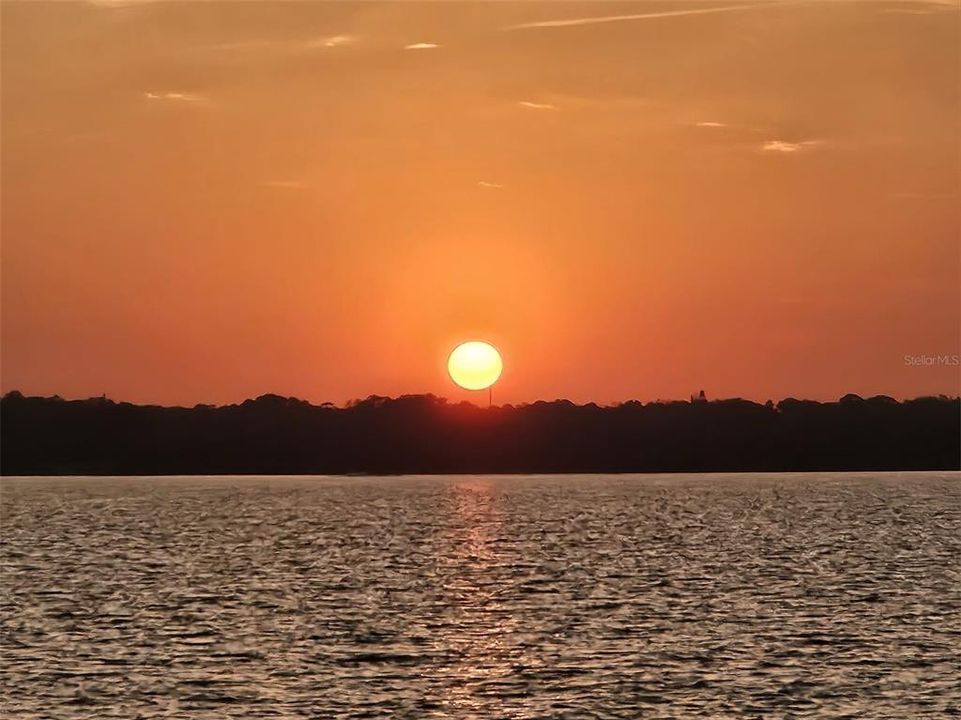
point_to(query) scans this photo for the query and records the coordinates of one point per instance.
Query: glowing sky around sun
(203, 202)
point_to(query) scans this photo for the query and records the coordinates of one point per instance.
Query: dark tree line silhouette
(426, 434)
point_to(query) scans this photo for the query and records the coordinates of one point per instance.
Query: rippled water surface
(521, 597)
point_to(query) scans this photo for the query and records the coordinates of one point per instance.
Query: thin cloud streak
(491, 185)
(783, 146)
(638, 16)
(330, 42)
(421, 46)
(284, 46)
(176, 97)
(536, 105)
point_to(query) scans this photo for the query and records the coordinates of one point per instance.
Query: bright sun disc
(475, 365)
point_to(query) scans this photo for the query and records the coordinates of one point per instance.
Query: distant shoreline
(426, 435)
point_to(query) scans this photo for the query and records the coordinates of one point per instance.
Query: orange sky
(203, 202)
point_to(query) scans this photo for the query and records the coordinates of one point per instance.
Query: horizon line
(693, 399)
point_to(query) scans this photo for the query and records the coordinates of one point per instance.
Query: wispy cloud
(421, 46)
(281, 47)
(177, 97)
(571, 22)
(333, 41)
(491, 185)
(710, 124)
(783, 146)
(537, 105)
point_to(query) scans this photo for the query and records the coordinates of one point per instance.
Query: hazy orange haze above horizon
(203, 202)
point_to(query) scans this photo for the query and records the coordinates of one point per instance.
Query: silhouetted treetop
(428, 434)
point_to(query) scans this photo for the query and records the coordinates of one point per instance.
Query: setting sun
(475, 365)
